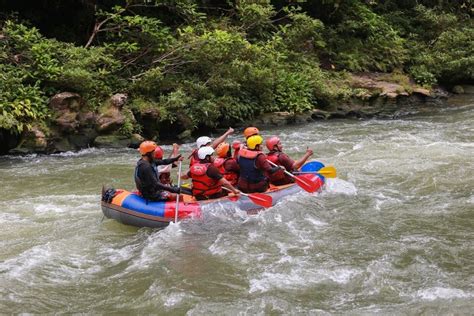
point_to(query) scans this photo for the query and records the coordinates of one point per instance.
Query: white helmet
(203, 152)
(203, 141)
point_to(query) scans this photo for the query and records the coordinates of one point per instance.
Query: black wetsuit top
(147, 182)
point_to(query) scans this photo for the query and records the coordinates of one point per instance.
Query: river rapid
(393, 234)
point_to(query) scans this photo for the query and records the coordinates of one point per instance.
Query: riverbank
(75, 127)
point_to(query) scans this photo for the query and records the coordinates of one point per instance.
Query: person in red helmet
(278, 157)
(163, 166)
(236, 146)
(227, 164)
(146, 178)
(207, 180)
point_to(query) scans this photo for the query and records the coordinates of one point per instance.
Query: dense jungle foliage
(207, 63)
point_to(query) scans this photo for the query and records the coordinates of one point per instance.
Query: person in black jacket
(146, 177)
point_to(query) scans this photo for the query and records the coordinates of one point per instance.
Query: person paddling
(254, 166)
(227, 164)
(278, 157)
(146, 178)
(206, 178)
(207, 141)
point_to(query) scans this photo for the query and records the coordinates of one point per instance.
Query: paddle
(258, 198)
(177, 195)
(306, 184)
(328, 172)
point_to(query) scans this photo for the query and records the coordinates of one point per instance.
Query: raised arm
(221, 138)
(303, 159)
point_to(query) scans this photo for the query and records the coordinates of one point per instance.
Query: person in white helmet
(207, 141)
(206, 178)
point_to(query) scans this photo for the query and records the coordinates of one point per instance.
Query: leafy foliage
(364, 41)
(207, 63)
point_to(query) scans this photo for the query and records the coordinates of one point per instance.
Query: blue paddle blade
(312, 166)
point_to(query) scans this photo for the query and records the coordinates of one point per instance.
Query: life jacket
(193, 158)
(202, 184)
(230, 176)
(274, 156)
(248, 171)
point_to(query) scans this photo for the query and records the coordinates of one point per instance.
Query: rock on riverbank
(75, 126)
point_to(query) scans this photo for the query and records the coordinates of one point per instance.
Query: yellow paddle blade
(328, 172)
(186, 185)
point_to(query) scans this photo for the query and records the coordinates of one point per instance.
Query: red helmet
(250, 131)
(236, 144)
(147, 147)
(158, 152)
(272, 142)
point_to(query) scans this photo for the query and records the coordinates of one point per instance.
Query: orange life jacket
(193, 158)
(202, 184)
(230, 176)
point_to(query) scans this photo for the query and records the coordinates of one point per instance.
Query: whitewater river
(394, 234)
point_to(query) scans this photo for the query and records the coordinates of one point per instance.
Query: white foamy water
(393, 234)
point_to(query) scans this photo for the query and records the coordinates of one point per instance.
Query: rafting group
(239, 168)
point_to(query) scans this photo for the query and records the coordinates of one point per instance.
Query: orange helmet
(272, 142)
(250, 131)
(222, 150)
(158, 152)
(147, 147)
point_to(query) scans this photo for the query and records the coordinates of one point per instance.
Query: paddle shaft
(284, 170)
(227, 189)
(309, 185)
(257, 198)
(328, 171)
(177, 195)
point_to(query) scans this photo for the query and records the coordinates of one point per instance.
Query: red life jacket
(230, 176)
(193, 158)
(202, 184)
(278, 176)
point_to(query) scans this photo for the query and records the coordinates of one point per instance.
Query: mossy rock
(33, 141)
(112, 141)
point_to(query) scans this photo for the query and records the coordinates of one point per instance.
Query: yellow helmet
(253, 141)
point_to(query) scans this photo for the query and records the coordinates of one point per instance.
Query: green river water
(393, 234)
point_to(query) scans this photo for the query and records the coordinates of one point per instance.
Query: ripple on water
(300, 277)
(436, 293)
(392, 234)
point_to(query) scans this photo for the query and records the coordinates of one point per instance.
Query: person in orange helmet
(207, 180)
(146, 178)
(278, 157)
(227, 164)
(251, 131)
(207, 141)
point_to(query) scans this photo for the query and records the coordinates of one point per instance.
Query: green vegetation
(201, 64)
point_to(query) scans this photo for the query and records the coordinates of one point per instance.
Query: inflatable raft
(131, 209)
